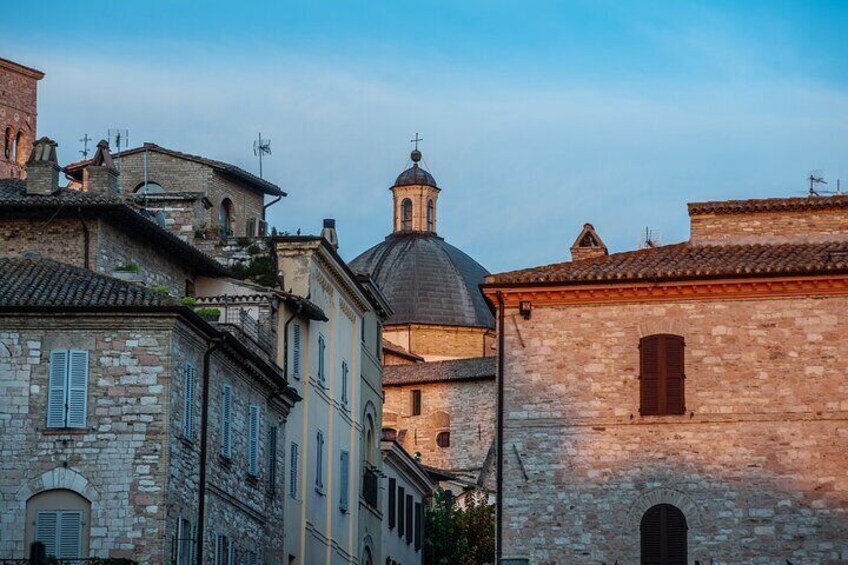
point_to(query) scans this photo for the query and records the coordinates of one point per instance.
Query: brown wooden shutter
(664, 536)
(651, 537)
(675, 536)
(673, 374)
(649, 378)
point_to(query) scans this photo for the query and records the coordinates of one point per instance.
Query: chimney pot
(329, 232)
(101, 175)
(43, 168)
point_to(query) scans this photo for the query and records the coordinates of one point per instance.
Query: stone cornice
(634, 293)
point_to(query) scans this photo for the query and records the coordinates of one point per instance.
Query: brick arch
(663, 495)
(439, 419)
(58, 478)
(661, 326)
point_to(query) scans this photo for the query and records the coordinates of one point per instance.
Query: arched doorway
(664, 536)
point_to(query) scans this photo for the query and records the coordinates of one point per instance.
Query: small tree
(459, 536)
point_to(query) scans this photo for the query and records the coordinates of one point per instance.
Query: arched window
(60, 520)
(21, 148)
(663, 533)
(367, 559)
(406, 214)
(8, 142)
(369, 440)
(430, 210)
(149, 188)
(443, 439)
(662, 375)
(225, 217)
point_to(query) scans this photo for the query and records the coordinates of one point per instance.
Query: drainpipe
(500, 444)
(204, 433)
(271, 203)
(86, 238)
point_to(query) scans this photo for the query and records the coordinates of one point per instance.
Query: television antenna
(815, 179)
(261, 147)
(84, 151)
(650, 238)
(119, 138)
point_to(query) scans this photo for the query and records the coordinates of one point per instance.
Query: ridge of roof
(768, 204)
(450, 370)
(683, 261)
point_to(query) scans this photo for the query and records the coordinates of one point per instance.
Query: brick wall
(18, 93)
(757, 464)
(466, 409)
(59, 239)
(765, 227)
(436, 343)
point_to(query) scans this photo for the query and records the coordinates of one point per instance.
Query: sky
(537, 116)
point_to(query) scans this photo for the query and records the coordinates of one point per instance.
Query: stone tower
(18, 90)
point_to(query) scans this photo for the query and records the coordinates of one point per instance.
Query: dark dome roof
(427, 281)
(415, 175)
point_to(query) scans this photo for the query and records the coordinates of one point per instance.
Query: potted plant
(209, 314)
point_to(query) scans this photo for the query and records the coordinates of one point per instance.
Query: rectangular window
(188, 402)
(225, 551)
(410, 520)
(321, 348)
(419, 525)
(252, 558)
(184, 542)
(272, 459)
(296, 363)
(392, 502)
(293, 472)
(662, 376)
(61, 533)
(319, 462)
(416, 402)
(227, 421)
(253, 441)
(67, 389)
(344, 477)
(345, 371)
(400, 511)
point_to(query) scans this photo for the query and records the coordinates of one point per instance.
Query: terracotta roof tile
(476, 368)
(687, 261)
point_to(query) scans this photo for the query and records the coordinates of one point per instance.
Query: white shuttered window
(253, 441)
(61, 533)
(67, 394)
(227, 421)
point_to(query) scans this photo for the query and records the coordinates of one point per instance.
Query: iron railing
(250, 326)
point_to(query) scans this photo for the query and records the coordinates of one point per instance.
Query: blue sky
(537, 116)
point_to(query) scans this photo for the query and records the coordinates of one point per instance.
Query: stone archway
(663, 495)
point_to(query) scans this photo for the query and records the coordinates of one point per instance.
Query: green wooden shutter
(57, 389)
(392, 502)
(272, 459)
(77, 388)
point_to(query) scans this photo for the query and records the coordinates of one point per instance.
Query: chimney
(42, 168)
(329, 232)
(101, 175)
(588, 245)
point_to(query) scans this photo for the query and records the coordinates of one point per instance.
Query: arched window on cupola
(406, 214)
(431, 224)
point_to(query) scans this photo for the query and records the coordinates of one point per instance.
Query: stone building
(683, 403)
(18, 116)
(440, 318)
(332, 361)
(135, 427)
(408, 489)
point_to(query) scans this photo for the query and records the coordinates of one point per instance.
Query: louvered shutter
(177, 551)
(296, 350)
(649, 386)
(675, 536)
(674, 376)
(401, 499)
(77, 388)
(409, 519)
(253, 441)
(47, 530)
(272, 459)
(227, 421)
(70, 535)
(344, 382)
(193, 551)
(345, 480)
(392, 509)
(252, 558)
(188, 414)
(321, 347)
(293, 471)
(651, 537)
(57, 389)
(231, 555)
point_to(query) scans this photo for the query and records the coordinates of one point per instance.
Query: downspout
(271, 203)
(499, 494)
(204, 434)
(86, 239)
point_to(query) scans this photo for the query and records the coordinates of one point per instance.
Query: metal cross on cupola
(416, 140)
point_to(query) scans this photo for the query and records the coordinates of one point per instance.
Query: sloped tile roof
(390, 347)
(474, 369)
(688, 261)
(769, 205)
(46, 283)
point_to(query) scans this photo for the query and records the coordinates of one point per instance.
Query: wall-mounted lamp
(525, 307)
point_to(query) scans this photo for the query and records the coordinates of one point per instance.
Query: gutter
(271, 203)
(204, 437)
(500, 438)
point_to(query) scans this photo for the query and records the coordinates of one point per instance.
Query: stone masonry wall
(61, 240)
(436, 343)
(765, 227)
(18, 95)
(466, 409)
(757, 464)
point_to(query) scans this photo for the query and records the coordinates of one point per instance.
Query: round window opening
(149, 188)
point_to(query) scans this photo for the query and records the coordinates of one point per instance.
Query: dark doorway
(664, 534)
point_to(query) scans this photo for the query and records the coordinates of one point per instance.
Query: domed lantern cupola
(415, 197)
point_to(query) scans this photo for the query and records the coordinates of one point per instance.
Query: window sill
(65, 431)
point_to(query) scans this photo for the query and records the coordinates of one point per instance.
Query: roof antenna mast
(119, 139)
(816, 179)
(84, 151)
(261, 147)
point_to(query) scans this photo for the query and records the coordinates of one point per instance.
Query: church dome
(415, 175)
(427, 280)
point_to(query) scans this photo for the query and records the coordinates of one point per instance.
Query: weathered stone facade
(18, 116)
(436, 343)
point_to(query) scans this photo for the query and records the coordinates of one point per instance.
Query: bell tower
(415, 198)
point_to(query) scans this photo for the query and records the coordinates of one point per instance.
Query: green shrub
(208, 312)
(128, 268)
(189, 301)
(161, 289)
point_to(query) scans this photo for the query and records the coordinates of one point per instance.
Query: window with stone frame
(415, 402)
(67, 388)
(662, 375)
